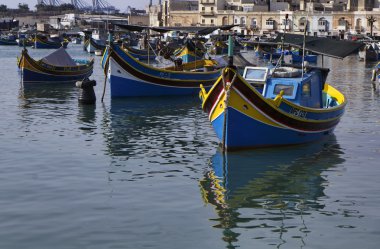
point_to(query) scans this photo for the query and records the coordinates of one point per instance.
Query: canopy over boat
(186, 29)
(319, 45)
(59, 58)
(238, 59)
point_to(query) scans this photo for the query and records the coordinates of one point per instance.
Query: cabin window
(256, 74)
(288, 89)
(306, 91)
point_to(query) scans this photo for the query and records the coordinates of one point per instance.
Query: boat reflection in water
(154, 125)
(44, 93)
(265, 194)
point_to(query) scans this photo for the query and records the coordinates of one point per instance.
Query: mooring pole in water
(87, 93)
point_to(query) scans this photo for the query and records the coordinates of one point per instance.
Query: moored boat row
(261, 106)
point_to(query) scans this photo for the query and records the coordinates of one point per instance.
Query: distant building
(7, 23)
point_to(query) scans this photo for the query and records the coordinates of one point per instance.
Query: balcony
(207, 1)
(207, 13)
(242, 25)
(322, 28)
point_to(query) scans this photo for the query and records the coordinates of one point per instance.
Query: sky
(119, 4)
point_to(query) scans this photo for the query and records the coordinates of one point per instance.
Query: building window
(269, 22)
(212, 21)
(212, 8)
(322, 22)
(203, 8)
(203, 21)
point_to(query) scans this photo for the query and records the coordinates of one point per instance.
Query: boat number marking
(164, 75)
(298, 113)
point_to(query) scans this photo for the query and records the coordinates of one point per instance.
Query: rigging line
(304, 38)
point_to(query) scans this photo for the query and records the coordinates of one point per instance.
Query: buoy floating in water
(87, 93)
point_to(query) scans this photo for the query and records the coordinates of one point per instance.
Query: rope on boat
(227, 86)
(106, 65)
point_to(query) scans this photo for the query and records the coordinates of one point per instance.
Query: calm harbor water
(146, 172)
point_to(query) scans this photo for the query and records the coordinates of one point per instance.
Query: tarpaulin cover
(59, 58)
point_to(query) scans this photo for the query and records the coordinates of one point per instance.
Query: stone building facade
(252, 17)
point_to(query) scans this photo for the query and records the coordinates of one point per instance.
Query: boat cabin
(305, 91)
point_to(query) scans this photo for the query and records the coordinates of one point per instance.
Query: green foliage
(62, 7)
(23, 7)
(3, 8)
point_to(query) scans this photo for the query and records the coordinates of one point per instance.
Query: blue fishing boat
(190, 51)
(137, 51)
(219, 48)
(76, 40)
(130, 77)
(57, 67)
(43, 42)
(93, 45)
(140, 54)
(8, 41)
(376, 74)
(294, 55)
(370, 52)
(25, 42)
(273, 106)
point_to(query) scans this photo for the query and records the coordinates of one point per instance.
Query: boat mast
(304, 39)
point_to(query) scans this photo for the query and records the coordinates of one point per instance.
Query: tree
(3, 8)
(23, 7)
(66, 6)
(371, 20)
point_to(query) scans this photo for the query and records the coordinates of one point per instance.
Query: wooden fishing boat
(25, 42)
(130, 77)
(140, 54)
(275, 106)
(219, 48)
(137, 51)
(98, 52)
(142, 57)
(270, 107)
(294, 56)
(58, 67)
(93, 45)
(43, 42)
(7, 42)
(86, 41)
(77, 40)
(371, 52)
(190, 52)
